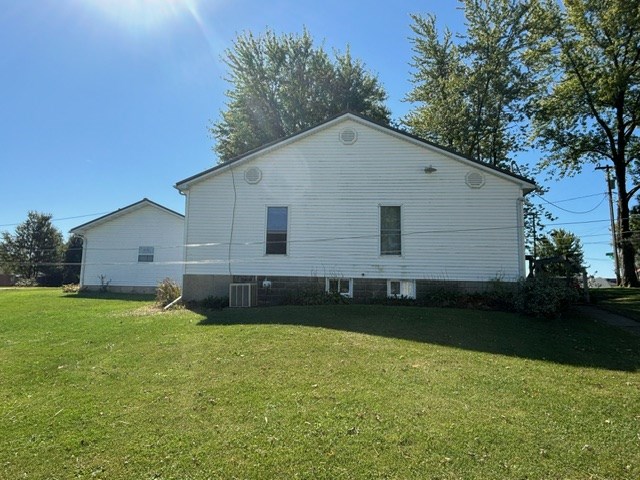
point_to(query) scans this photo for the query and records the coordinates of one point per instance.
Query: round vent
(252, 175)
(474, 180)
(348, 136)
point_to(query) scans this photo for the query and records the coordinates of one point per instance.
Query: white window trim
(411, 284)
(266, 225)
(402, 246)
(348, 294)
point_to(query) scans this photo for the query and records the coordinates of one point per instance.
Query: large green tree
(470, 93)
(283, 84)
(561, 243)
(470, 89)
(34, 250)
(589, 111)
(72, 260)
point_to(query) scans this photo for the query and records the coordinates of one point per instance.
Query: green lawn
(105, 387)
(625, 301)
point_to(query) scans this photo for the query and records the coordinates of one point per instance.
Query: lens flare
(144, 15)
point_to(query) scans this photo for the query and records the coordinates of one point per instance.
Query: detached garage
(132, 249)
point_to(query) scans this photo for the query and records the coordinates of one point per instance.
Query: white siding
(112, 249)
(333, 191)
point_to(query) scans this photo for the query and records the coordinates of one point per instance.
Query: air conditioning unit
(243, 295)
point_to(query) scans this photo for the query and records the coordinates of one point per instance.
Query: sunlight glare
(144, 15)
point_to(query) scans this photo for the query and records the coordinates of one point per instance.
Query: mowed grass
(625, 301)
(109, 388)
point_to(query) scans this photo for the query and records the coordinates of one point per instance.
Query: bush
(166, 292)
(314, 296)
(215, 303)
(71, 288)
(545, 296)
(26, 282)
(443, 296)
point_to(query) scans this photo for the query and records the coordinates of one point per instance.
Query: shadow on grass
(132, 297)
(575, 340)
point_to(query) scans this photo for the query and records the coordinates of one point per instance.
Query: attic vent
(474, 180)
(348, 136)
(252, 175)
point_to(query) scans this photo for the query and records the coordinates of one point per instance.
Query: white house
(133, 248)
(356, 208)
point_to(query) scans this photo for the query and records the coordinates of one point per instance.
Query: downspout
(520, 227)
(184, 234)
(84, 258)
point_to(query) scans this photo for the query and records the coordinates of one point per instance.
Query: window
(145, 254)
(277, 230)
(343, 286)
(390, 233)
(401, 288)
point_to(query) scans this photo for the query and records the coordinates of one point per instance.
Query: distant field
(107, 387)
(625, 301)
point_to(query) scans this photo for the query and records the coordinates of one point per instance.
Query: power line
(573, 211)
(58, 219)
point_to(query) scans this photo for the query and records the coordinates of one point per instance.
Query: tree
(589, 111)
(470, 94)
(561, 243)
(284, 84)
(35, 250)
(72, 260)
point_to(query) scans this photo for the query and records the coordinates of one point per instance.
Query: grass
(110, 388)
(625, 301)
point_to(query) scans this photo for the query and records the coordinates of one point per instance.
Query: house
(354, 208)
(132, 249)
(6, 279)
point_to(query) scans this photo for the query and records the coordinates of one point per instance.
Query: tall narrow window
(390, 232)
(145, 254)
(277, 218)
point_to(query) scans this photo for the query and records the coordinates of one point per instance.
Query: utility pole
(607, 168)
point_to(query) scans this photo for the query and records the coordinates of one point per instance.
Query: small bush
(166, 292)
(443, 297)
(26, 282)
(545, 296)
(71, 288)
(104, 283)
(215, 303)
(314, 296)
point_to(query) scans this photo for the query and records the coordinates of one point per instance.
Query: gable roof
(183, 185)
(122, 211)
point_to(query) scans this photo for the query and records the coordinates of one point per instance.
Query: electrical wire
(59, 219)
(573, 211)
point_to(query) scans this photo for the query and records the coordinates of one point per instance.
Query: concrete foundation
(280, 289)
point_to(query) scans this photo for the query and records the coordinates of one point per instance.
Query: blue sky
(104, 102)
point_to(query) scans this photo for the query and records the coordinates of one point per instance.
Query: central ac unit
(243, 295)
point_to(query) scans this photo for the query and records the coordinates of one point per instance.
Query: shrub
(26, 282)
(216, 303)
(314, 296)
(443, 296)
(166, 292)
(71, 288)
(546, 296)
(104, 283)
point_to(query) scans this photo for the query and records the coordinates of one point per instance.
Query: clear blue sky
(104, 102)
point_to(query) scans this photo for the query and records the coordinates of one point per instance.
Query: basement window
(343, 286)
(145, 254)
(401, 288)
